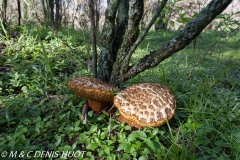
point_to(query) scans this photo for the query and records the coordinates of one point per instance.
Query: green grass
(39, 113)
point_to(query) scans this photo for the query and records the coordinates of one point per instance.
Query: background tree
(51, 12)
(44, 9)
(93, 19)
(115, 53)
(19, 12)
(58, 14)
(4, 12)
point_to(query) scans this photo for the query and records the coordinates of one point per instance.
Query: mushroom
(99, 93)
(145, 105)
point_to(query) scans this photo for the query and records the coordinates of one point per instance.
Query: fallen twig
(84, 113)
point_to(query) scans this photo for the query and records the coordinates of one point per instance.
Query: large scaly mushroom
(145, 105)
(99, 93)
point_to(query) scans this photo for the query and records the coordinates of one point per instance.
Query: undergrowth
(39, 113)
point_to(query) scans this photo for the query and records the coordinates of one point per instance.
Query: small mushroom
(99, 93)
(145, 105)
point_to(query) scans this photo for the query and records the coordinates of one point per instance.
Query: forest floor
(39, 113)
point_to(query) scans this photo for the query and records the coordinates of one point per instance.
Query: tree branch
(186, 35)
(145, 31)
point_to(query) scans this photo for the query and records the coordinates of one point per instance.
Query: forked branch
(186, 35)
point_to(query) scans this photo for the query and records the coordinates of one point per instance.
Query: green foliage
(39, 113)
(227, 21)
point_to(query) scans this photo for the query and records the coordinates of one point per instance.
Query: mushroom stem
(84, 113)
(98, 106)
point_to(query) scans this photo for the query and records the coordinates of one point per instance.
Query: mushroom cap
(92, 88)
(146, 104)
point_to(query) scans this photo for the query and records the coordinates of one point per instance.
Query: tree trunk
(119, 70)
(131, 35)
(121, 26)
(45, 15)
(92, 15)
(58, 16)
(106, 58)
(19, 12)
(25, 11)
(97, 14)
(51, 13)
(4, 12)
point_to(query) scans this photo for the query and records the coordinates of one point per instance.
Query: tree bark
(185, 36)
(44, 10)
(19, 12)
(97, 14)
(51, 13)
(106, 57)
(121, 26)
(58, 16)
(25, 11)
(92, 15)
(145, 31)
(4, 12)
(122, 61)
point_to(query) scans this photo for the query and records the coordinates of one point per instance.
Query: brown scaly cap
(92, 88)
(146, 104)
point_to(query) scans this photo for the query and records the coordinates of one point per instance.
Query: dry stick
(84, 112)
(210, 51)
